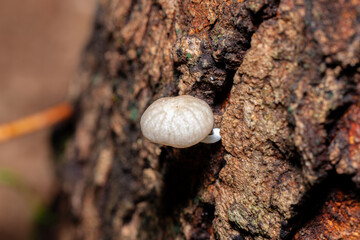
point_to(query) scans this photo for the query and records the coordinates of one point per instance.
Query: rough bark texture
(283, 79)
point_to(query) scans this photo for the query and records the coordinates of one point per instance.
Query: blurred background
(41, 42)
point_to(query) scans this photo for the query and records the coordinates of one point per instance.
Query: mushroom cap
(179, 122)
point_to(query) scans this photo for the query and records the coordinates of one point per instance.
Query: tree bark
(283, 79)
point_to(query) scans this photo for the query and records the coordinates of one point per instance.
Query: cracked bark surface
(283, 79)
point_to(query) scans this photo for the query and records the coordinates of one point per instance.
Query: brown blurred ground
(40, 46)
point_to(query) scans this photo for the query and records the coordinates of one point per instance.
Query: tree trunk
(283, 79)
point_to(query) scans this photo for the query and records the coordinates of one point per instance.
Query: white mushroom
(179, 122)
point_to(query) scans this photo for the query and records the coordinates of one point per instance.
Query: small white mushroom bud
(213, 137)
(179, 122)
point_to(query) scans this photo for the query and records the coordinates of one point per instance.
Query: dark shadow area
(184, 171)
(333, 120)
(223, 94)
(60, 135)
(49, 218)
(313, 201)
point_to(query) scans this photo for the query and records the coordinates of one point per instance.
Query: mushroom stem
(213, 137)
